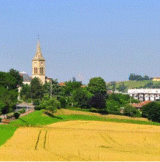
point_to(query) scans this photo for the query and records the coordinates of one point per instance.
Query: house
(139, 105)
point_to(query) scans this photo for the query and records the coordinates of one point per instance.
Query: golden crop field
(84, 141)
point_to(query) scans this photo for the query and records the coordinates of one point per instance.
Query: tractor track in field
(41, 140)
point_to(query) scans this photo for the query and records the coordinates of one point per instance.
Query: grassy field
(84, 141)
(38, 118)
(6, 131)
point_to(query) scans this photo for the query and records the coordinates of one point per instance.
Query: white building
(145, 94)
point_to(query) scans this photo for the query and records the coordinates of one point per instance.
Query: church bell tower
(38, 65)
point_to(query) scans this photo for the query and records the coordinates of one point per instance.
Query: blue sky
(82, 38)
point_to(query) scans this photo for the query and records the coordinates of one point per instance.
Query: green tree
(112, 106)
(11, 79)
(97, 87)
(8, 99)
(14, 79)
(36, 89)
(25, 92)
(122, 87)
(152, 111)
(82, 97)
(49, 104)
(3, 79)
(70, 86)
(56, 88)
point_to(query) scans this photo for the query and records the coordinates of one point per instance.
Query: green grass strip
(6, 132)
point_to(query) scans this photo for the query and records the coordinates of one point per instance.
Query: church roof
(38, 56)
(26, 77)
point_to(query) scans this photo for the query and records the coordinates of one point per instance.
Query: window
(35, 70)
(41, 70)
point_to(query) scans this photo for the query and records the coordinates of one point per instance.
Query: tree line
(133, 76)
(73, 94)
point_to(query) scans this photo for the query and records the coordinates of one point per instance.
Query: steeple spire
(38, 55)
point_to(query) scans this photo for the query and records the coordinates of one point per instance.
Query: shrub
(113, 106)
(0, 119)
(38, 107)
(93, 110)
(16, 115)
(103, 111)
(129, 110)
(114, 112)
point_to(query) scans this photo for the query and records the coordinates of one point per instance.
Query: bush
(129, 110)
(0, 119)
(93, 110)
(16, 115)
(152, 111)
(38, 107)
(114, 112)
(113, 106)
(103, 111)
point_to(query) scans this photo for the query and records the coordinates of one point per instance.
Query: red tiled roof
(140, 104)
(62, 84)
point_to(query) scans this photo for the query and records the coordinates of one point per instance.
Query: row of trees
(73, 93)
(138, 77)
(93, 96)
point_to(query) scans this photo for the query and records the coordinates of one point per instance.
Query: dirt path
(84, 140)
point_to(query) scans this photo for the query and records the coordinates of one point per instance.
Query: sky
(82, 38)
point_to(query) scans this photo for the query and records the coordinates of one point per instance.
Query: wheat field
(84, 141)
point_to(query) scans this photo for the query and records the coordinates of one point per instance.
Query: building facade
(145, 94)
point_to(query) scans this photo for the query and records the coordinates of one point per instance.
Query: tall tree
(97, 87)
(36, 89)
(56, 88)
(14, 79)
(8, 99)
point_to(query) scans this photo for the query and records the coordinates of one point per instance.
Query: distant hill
(125, 85)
